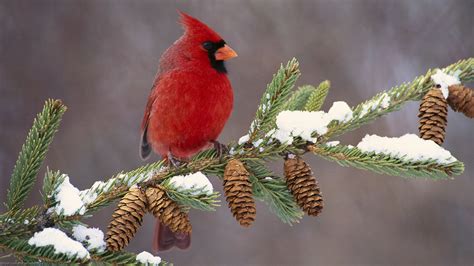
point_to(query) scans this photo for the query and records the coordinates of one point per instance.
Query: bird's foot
(221, 149)
(173, 161)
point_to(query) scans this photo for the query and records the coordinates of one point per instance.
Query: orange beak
(225, 53)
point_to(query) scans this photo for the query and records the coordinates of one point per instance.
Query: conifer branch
(33, 153)
(318, 96)
(393, 99)
(299, 98)
(274, 98)
(386, 164)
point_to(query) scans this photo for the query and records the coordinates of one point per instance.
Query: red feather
(190, 101)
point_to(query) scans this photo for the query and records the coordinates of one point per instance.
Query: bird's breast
(190, 112)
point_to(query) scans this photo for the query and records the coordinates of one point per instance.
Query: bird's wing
(145, 147)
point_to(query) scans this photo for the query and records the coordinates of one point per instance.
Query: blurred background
(100, 58)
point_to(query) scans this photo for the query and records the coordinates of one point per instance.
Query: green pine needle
(274, 98)
(298, 99)
(317, 97)
(386, 164)
(194, 198)
(33, 153)
(273, 190)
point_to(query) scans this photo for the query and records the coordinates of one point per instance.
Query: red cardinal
(190, 101)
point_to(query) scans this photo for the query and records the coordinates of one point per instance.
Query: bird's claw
(172, 161)
(221, 149)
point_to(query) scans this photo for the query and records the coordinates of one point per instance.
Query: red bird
(190, 101)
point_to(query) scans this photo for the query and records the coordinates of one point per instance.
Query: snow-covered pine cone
(238, 192)
(433, 114)
(126, 219)
(167, 211)
(461, 99)
(303, 185)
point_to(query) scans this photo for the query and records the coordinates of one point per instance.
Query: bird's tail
(165, 239)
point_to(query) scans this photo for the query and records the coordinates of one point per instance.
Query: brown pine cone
(433, 116)
(238, 193)
(167, 211)
(303, 185)
(126, 219)
(461, 99)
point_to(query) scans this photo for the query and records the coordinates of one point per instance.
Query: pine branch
(274, 98)
(393, 99)
(273, 190)
(116, 186)
(19, 222)
(386, 164)
(299, 98)
(33, 153)
(317, 97)
(44, 254)
(194, 198)
(51, 182)
(48, 254)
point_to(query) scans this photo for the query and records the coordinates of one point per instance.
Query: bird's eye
(207, 45)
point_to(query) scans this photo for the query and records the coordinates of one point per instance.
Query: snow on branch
(303, 124)
(443, 81)
(406, 156)
(60, 241)
(408, 147)
(148, 259)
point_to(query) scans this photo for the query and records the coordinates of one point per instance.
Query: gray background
(100, 58)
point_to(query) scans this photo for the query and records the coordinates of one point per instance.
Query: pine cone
(126, 219)
(303, 185)
(461, 99)
(167, 211)
(238, 193)
(433, 116)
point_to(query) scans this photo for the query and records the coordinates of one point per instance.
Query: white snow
(91, 194)
(340, 111)
(444, 80)
(60, 241)
(383, 101)
(291, 124)
(194, 180)
(408, 147)
(270, 133)
(244, 139)
(332, 143)
(257, 142)
(93, 237)
(68, 199)
(148, 259)
(268, 178)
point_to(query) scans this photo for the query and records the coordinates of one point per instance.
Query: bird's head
(203, 43)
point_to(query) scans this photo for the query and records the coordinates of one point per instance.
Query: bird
(190, 102)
